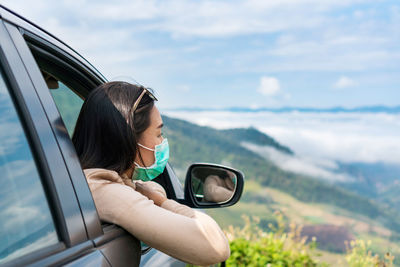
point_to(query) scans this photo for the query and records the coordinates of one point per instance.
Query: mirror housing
(212, 186)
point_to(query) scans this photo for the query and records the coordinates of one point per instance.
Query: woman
(119, 142)
(218, 185)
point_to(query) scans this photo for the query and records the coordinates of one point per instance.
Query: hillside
(192, 143)
(331, 226)
(256, 137)
(379, 181)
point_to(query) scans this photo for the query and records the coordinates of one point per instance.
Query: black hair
(106, 133)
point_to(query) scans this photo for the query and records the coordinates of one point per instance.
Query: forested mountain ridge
(254, 136)
(379, 181)
(191, 143)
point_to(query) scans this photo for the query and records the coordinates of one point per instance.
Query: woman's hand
(150, 193)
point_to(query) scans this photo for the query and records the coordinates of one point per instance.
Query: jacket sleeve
(174, 229)
(214, 191)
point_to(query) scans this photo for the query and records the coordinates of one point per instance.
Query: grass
(232, 215)
(381, 245)
(304, 214)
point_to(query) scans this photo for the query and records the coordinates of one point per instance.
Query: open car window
(68, 102)
(69, 87)
(67, 94)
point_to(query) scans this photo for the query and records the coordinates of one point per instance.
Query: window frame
(84, 80)
(49, 161)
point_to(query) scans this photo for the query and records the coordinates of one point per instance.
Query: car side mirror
(211, 185)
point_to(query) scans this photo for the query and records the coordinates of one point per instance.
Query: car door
(40, 216)
(80, 228)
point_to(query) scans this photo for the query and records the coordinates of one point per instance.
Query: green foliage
(284, 246)
(251, 246)
(360, 255)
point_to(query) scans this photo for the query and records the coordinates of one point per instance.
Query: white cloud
(158, 41)
(17, 215)
(212, 18)
(298, 164)
(188, 18)
(287, 96)
(307, 39)
(254, 106)
(184, 88)
(344, 82)
(269, 86)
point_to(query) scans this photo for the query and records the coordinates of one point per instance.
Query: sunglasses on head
(146, 90)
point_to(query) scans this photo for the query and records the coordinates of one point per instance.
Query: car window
(68, 104)
(26, 221)
(68, 84)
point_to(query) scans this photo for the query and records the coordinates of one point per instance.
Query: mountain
(254, 136)
(191, 143)
(379, 181)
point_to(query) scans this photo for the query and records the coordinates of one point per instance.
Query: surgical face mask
(161, 155)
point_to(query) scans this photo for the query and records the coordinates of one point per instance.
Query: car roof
(18, 20)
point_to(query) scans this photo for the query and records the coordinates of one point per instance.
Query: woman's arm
(174, 229)
(214, 192)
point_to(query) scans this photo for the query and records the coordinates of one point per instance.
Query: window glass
(68, 104)
(25, 218)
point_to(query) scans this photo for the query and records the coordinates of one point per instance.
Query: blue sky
(237, 53)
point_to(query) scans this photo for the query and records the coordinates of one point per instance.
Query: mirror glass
(213, 184)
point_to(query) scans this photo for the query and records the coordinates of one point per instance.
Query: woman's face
(151, 137)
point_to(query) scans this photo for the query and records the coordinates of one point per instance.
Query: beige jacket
(173, 228)
(217, 189)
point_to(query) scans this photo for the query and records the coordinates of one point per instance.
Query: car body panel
(50, 159)
(94, 258)
(67, 149)
(119, 247)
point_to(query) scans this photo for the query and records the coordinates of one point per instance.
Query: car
(47, 213)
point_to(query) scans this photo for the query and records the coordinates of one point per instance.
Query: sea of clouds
(319, 140)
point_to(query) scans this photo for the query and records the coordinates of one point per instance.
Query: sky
(303, 53)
